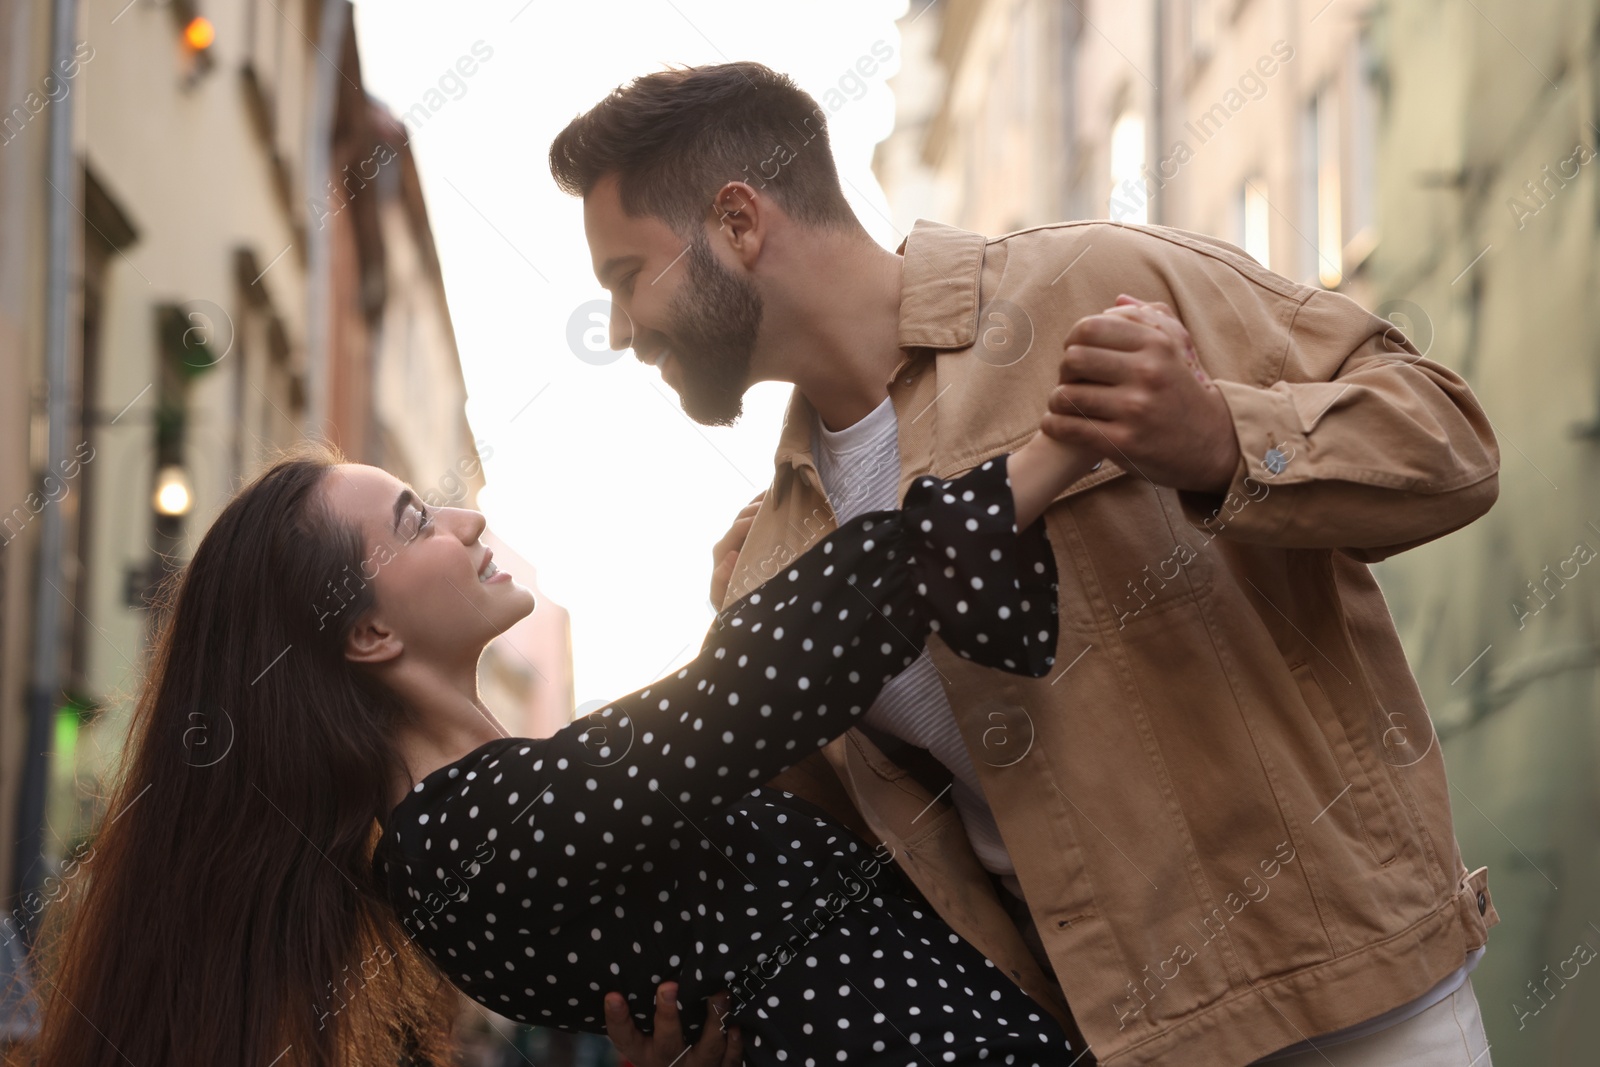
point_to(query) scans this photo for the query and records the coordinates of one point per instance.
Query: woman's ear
(371, 641)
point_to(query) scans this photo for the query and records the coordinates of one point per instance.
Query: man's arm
(1348, 438)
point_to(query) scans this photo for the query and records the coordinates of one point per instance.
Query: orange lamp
(199, 33)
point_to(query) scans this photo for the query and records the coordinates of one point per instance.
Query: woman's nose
(468, 524)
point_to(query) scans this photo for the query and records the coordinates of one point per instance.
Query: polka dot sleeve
(793, 664)
(990, 593)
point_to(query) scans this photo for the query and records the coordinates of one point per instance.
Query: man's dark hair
(675, 137)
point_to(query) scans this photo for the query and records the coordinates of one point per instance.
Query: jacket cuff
(1272, 451)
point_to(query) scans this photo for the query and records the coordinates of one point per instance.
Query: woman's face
(437, 594)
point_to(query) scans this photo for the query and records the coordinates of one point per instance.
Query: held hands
(1133, 390)
(664, 1046)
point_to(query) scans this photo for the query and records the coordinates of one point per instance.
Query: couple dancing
(1083, 735)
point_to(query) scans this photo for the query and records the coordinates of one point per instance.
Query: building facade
(251, 265)
(1436, 162)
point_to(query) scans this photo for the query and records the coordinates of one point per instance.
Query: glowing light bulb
(199, 33)
(172, 496)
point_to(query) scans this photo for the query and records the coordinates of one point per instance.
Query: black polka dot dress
(637, 845)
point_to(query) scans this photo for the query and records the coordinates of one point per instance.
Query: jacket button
(1483, 904)
(1275, 461)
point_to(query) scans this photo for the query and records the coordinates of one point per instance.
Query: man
(1222, 828)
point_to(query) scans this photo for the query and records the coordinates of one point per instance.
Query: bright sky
(595, 474)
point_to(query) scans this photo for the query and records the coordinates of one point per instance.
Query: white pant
(1449, 1034)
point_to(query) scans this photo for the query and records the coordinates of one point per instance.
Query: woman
(316, 677)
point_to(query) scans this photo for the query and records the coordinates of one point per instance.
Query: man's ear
(740, 215)
(371, 641)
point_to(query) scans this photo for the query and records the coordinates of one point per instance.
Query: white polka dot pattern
(541, 874)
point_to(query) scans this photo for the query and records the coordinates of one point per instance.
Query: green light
(66, 748)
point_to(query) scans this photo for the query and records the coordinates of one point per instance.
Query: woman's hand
(664, 1047)
(1133, 388)
(1040, 470)
(725, 553)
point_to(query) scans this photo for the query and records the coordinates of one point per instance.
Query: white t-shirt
(860, 471)
(1393, 1017)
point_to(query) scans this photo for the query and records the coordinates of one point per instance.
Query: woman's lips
(489, 572)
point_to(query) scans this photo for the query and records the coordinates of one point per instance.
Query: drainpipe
(45, 685)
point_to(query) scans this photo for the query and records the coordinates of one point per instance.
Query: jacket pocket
(1126, 557)
(1368, 806)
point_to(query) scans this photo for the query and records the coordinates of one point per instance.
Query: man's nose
(621, 329)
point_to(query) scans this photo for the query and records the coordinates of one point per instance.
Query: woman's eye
(419, 522)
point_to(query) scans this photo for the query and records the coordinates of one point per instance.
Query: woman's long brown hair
(228, 913)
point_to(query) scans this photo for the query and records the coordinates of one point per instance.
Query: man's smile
(666, 364)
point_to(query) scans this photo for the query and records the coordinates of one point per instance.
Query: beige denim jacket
(1226, 804)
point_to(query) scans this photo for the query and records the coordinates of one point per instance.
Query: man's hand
(725, 553)
(1132, 389)
(664, 1047)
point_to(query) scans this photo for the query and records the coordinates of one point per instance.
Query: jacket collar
(939, 293)
(940, 286)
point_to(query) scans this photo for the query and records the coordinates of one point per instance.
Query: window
(1321, 190)
(1129, 195)
(269, 393)
(1254, 217)
(1362, 223)
(1202, 29)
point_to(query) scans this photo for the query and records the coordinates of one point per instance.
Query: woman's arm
(792, 665)
(1041, 470)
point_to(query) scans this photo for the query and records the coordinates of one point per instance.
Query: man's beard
(715, 318)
